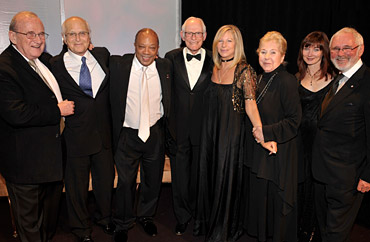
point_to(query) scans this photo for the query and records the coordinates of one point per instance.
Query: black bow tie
(190, 56)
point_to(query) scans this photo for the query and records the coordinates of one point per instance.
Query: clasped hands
(258, 136)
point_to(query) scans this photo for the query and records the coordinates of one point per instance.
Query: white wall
(114, 23)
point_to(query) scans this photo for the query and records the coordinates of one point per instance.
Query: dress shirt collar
(77, 58)
(137, 65)
(353, 69)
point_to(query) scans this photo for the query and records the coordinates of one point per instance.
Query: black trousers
(77, 179)
(35, 208)
(336, 210)
(131, 152)
(184, 179)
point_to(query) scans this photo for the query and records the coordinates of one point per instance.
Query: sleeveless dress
(222, 151)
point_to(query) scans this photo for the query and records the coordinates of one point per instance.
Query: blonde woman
(272, 206)
(228, 99)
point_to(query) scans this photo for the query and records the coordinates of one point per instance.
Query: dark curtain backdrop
(294, 19)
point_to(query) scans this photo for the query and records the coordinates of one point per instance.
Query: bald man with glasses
(31, 108)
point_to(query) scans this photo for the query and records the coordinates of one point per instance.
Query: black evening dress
(272, 200)
(222, 151)
(310, 102)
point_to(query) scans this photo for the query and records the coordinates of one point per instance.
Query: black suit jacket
(120, 68)
(30, 144)
(341, 150)
(188, 103)
(89, 128)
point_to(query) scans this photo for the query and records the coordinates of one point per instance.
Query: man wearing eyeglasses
(192, 67)
(83, 77)
(31, 107)
(341, 150)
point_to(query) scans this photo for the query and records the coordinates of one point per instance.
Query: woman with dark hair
(315, 74)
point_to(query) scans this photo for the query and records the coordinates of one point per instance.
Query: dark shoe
(108, 228)
(86, 238)
(181, 228)
(148, 226)
(120, 236)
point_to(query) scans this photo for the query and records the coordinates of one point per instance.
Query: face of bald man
(30, 48)
(76, 36)
(146, 47)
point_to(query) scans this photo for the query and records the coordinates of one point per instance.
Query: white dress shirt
(348, 74)
(194, 67)
(73, 64)
(133, 101)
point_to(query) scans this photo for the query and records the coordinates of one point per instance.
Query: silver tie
(144, 126)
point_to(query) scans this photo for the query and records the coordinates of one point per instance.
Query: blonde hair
(239, 54)
(278, 38)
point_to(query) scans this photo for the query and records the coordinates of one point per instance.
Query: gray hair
(358, 37)
(194, 18)
(64, 27)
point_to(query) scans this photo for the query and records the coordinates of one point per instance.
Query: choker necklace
(227, 60)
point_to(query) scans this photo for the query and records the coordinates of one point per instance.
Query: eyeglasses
(81, 34)
(32, 35)
(190, 34)
(345, 49)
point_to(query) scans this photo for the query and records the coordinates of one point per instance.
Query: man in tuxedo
(83, 77)
(140, 93)
(31, 107)
(192, 70)
(341, 162)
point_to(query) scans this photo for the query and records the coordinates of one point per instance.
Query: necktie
(329, 96)
(33, 64)
(144, 127)
(85, 78)
(190, 56)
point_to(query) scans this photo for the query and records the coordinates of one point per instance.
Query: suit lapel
(124, 81)
(351, 85)
(104, 68)
(164, 77)
(205, 71)
(179, 60)
(65, 75)
(24, 64)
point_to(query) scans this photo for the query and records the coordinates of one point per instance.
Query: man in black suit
(31, 107)
(341, 162)
(140, 92)
(192, 71)
(88, 131)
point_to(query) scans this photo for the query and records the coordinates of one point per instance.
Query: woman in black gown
(315, 74)
(272, 205)
(227, 100)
